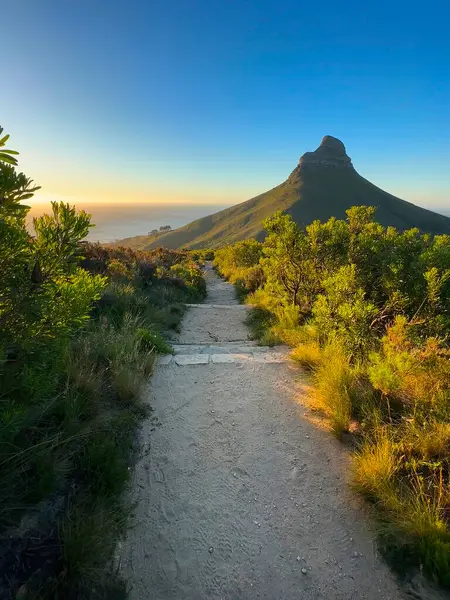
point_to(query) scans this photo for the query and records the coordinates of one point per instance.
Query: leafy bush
(260, 321)
(80, 327)
(367, 310)
(191, 275)
(342, 311)
(240, 264)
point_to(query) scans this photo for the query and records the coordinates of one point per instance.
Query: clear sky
(215, 100)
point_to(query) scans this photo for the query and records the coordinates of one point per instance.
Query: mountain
(324, 184)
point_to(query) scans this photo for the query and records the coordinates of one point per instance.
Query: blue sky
(215, 100)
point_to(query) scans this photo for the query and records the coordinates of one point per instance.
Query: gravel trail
(238, 495)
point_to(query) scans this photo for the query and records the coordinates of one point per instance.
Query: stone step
(222, 306)
(219, 348)
(183, 360)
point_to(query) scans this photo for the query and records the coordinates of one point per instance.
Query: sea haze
(117, 221)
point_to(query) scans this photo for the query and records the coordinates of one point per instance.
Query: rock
(304, 571)
(330, 153)
(210, 549)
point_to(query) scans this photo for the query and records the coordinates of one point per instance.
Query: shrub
(410, 369)
(80, 325)
(260, 322)
(253, 278)
(342, 311)
(190, 274)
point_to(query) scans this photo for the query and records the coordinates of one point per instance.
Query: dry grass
(334, 379)
(307, 355)
(413, 508)
(127, 383)
(422, 525)
(374, 468)
(429, 441)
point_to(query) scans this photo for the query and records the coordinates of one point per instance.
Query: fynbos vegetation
(367, 310)
(79, 329)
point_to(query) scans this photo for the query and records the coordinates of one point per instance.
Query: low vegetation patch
(366, 310)
(80, 327)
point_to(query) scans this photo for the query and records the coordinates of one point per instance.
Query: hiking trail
(238, 495)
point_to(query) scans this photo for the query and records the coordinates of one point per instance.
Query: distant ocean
(117, 221)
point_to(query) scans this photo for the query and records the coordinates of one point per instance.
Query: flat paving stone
(275, 358)
(191, 359)
(222, 306)
(222, 358)
(218, 348)
(245, 349)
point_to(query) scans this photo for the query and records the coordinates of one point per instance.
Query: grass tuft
(83, 575)
(308, 355)
(260, 322)
(334, 380)
(374, 468)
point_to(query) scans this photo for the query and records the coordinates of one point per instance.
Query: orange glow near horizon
(105, 198)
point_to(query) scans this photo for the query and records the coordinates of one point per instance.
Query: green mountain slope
(324, 184)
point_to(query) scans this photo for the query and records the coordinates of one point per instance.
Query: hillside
(323, 184)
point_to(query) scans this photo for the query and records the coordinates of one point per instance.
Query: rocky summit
(324, 184)
(330, 153)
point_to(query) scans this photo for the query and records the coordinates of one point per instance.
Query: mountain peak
(323, 185)
(333, 143)
(330, 153)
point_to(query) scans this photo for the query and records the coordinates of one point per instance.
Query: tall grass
(374, 468)
(334, 378)
(413, 511)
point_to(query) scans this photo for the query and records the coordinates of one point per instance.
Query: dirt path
(239, 496)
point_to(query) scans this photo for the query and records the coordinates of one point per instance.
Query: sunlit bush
(366, 309)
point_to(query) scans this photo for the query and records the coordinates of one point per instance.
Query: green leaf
(5, 157)
(17, 207)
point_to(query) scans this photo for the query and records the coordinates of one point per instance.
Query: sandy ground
(238, 495)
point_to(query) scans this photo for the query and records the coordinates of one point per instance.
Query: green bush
(367, 311)
(80, 326)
